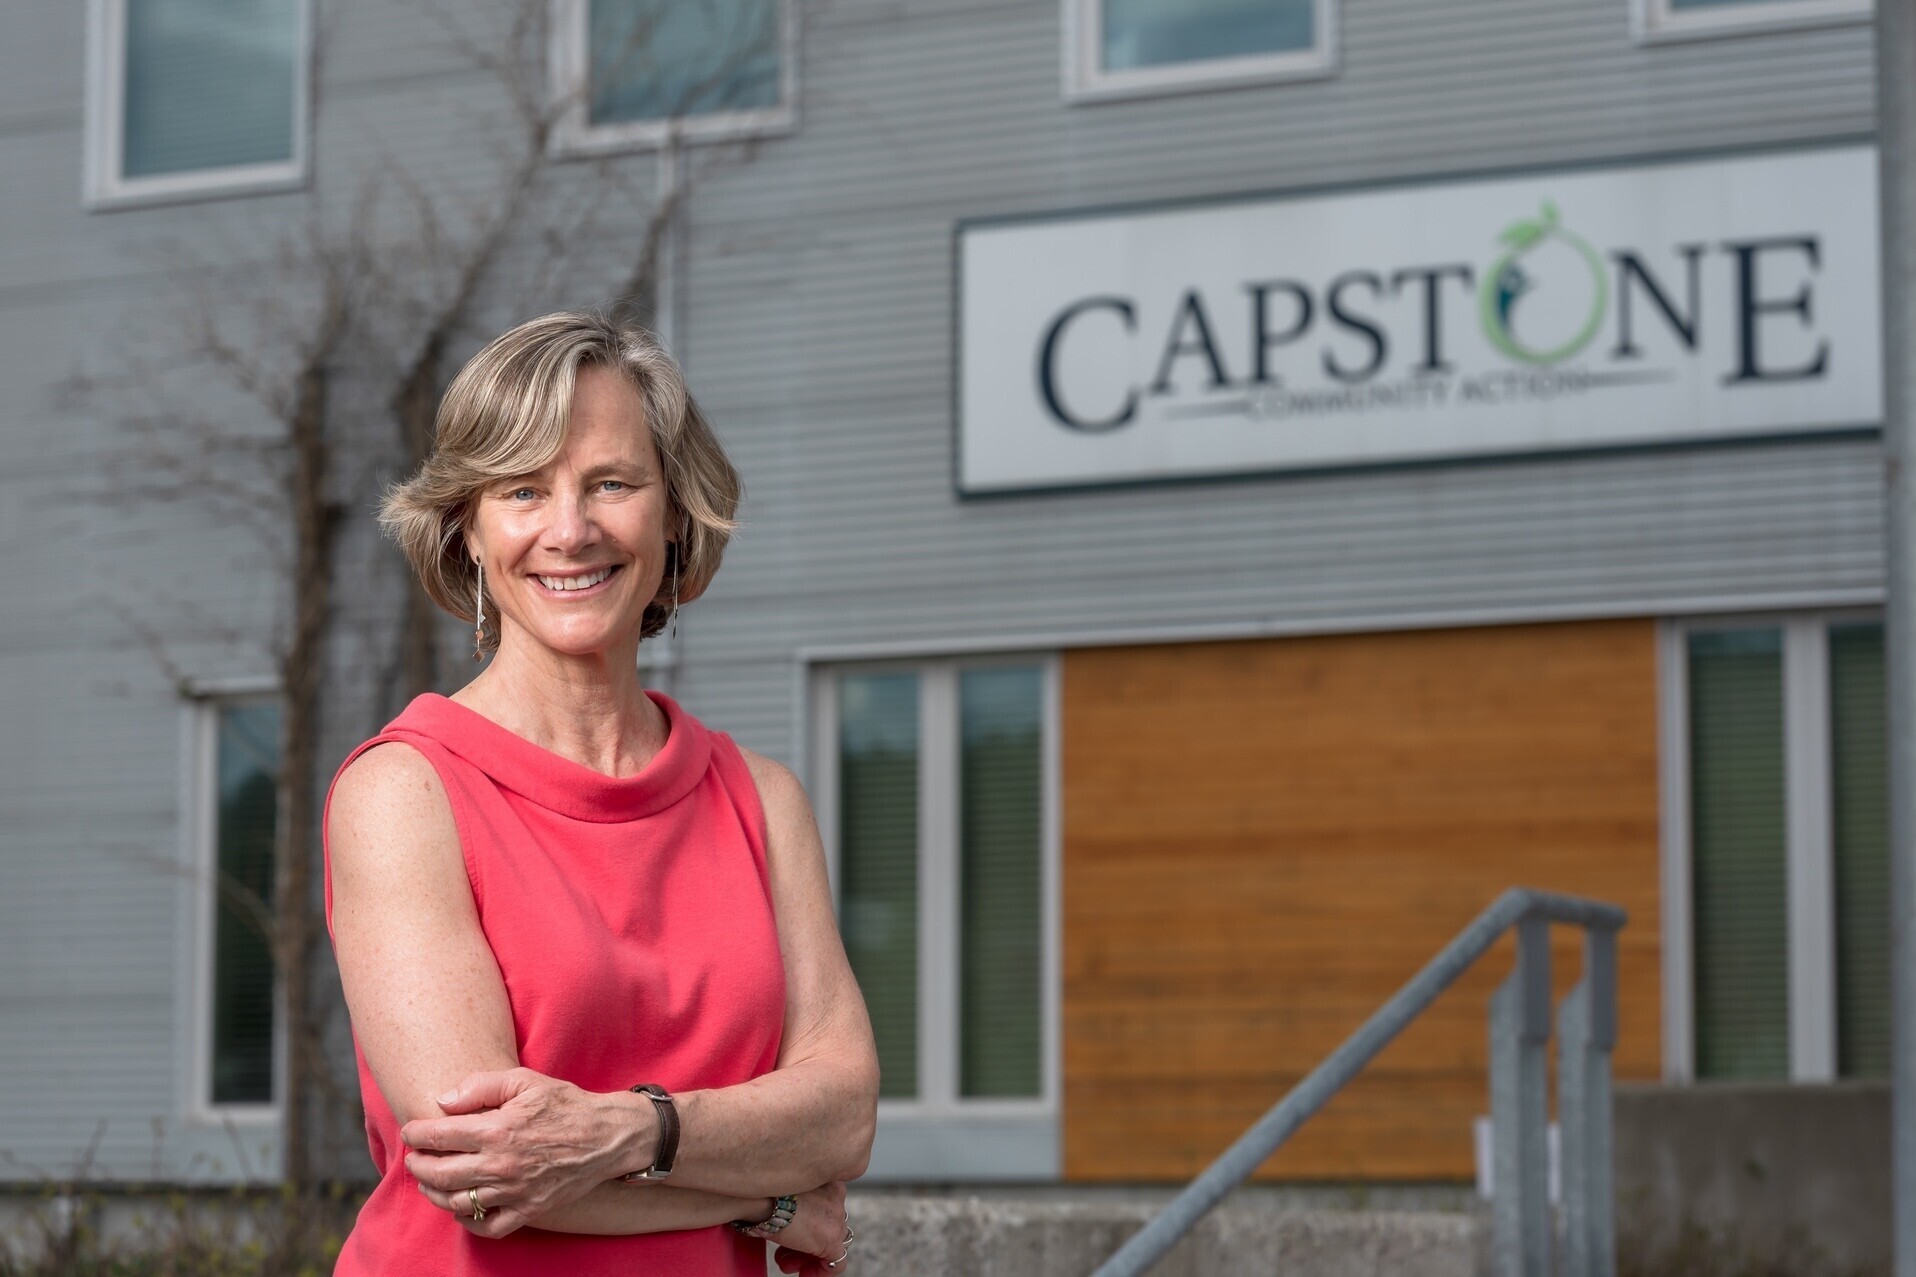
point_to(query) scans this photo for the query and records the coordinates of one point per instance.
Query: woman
(554, 887)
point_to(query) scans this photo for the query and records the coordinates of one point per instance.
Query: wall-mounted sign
(1587, 308)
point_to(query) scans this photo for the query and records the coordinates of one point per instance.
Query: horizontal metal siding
(88, 918)
(1620, 529)
(960, 119)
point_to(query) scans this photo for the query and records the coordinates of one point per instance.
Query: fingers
(495, 1225)
(499, 1219)
(459, 1201)
(483, 1091)
(819, 1242)
(447, 1134)
(797, 1262)
(472, 1100)
(449, 1171)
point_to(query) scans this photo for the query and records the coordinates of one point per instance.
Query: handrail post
(1600, 943)
(1574, 1060)
(1519, 1109)
(1588, 1033)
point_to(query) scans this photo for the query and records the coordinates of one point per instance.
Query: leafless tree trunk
(314, 519)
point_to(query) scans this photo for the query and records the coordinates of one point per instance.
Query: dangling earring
(678, 562)
(479, 617)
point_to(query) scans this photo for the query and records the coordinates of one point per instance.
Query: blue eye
(616, 483)
(516, 491)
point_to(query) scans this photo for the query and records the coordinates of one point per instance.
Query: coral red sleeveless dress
(632, 920)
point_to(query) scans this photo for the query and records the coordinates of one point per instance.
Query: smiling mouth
(577, 586)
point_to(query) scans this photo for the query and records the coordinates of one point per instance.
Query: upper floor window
(191, 98)
(630, 72)
(1123, 48)
(935, 783)
(236, 771)
(1688, 19)
(1776, 845)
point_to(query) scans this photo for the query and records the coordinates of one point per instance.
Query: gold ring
(478, 1211)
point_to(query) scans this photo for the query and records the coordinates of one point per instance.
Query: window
(630, 72)
(190, 98)
(935, 786)
(1125, 48)
(1692, 19)
(236, 1031)
(1776, 850)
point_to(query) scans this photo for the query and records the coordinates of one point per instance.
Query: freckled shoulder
(390, 815)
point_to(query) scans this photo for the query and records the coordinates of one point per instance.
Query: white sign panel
(1579, 309)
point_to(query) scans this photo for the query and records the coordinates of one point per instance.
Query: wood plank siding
(1263, 840)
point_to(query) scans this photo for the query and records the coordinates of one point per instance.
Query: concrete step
(936, 1236)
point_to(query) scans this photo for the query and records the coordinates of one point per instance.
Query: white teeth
(575, 582)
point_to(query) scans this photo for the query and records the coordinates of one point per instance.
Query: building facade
(1230, 488)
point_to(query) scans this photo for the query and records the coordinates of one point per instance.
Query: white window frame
(104, 187)
(941, 1135)
(1086, 80)
(1809, 837)
(569, 71)
(199, 825)
(1655, 22)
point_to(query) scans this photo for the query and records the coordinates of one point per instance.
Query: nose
(571, 527)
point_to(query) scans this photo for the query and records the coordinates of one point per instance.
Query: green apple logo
(1507, 283)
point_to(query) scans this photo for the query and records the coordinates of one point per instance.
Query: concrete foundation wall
(928, 1236)
(1796, 1173)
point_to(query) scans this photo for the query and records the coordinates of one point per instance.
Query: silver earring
(479, 615)
(678, 560)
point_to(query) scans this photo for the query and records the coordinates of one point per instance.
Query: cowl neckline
(556, 782)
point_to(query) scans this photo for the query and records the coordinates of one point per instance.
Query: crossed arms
(431, 1016)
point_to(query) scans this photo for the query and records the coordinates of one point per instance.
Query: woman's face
(574, 552)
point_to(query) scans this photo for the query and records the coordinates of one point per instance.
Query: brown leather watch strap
(668, 1150)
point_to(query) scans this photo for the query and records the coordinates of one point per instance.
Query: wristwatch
(668, 1150)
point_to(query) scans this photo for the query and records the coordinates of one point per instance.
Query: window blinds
(652, 60)
(1739, 873)
(1147, 33)
(1859, 768)
(1001, 829)
(878, 862)
(209, 84)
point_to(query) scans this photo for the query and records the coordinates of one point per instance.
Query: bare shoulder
(388, 798)
(788, 813)
(390, 774)
(777, 786)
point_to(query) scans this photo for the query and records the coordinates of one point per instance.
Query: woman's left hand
(526, 1142)
(818, 1242)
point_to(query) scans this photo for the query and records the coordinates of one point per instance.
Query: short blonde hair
(506, 413)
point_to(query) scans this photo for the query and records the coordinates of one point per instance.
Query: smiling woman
(564, 535)
(565, 399)
(587, 943)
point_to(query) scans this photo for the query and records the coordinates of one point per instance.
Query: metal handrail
(1520, 1028)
